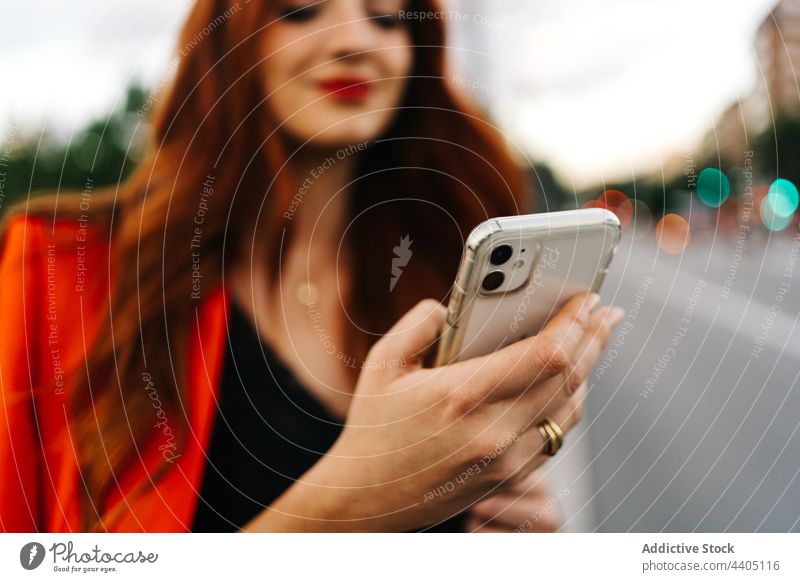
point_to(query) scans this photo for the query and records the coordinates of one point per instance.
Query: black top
(268, 431)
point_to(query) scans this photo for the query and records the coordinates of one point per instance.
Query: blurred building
(777, 89)
(777, 48)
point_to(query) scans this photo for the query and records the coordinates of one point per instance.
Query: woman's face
(335, 70)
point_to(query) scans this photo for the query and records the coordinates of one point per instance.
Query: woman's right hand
(423, 444)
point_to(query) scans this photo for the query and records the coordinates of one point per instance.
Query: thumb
(404, 346)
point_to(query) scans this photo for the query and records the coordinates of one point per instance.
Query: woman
(218, 344)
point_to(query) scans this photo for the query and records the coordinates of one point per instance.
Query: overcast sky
(598, 88)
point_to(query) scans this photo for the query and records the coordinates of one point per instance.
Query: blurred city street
(699, 433)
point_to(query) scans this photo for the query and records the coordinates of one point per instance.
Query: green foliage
(105, 151)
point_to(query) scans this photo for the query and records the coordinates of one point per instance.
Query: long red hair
(437, 171)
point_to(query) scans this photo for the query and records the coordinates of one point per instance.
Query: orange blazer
(53, 286)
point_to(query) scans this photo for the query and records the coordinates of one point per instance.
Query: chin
(346, 134)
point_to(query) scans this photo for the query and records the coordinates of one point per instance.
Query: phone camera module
(501, 254)
(493, 280)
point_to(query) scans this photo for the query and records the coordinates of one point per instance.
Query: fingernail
(616, 315)
(591, 301)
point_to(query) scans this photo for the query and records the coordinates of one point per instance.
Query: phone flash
(519, 264)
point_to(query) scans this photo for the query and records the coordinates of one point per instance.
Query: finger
(566, 415)
(474, 525)
(550, 400)
(522, 512)
(530, 516)
(571, 412)
(508, 511)
(593, 344)
(535, 482)
(513, 369)
(527, 453)
(404, 346)
(492, 507)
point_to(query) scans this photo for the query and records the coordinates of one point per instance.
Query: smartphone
(517, 271)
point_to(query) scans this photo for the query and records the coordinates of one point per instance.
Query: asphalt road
(692, 421)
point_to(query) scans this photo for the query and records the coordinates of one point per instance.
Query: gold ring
(552, 434)
(556, 429)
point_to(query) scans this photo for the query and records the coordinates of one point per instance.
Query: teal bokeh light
(713, 187)
(782, 198)
(773, 221)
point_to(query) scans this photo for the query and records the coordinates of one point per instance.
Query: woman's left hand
(530, 506)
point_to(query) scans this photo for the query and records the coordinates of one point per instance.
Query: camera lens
(501, 254)
(493, 280)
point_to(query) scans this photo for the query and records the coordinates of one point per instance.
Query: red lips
(349, 88)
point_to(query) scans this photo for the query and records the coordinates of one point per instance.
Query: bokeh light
(713, 187)
(781, 200)
(673, 234)
(615, 201)
(618, 203)
(771, 219)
